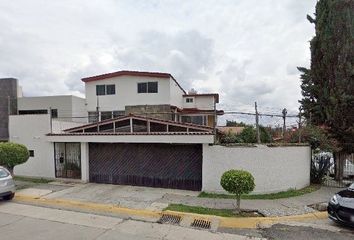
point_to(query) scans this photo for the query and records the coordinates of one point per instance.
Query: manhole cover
(170, 219)
(200, 223)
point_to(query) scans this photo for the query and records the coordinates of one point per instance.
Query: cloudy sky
(247, 50)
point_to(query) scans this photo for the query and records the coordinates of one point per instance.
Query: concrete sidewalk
(156, 199)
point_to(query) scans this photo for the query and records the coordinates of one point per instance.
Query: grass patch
(209, 211)
(32, 180)
(285, 194)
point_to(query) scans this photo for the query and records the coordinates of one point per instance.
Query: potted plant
(72, 169)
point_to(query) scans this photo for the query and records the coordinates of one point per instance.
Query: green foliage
(12, 154)
(248, 135)
(71, 166)
(320, 166)
(328, 86)
(235, 124)
(237, 182)
(317, 137)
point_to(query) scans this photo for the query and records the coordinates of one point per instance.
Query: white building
(143, 129)
(147, 93)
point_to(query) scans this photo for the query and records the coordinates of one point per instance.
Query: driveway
(124, 196)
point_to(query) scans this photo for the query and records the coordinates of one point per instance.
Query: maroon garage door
(152, 165)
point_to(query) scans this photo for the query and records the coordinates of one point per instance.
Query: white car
(7, 184)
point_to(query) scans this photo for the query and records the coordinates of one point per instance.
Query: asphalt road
(18, 222)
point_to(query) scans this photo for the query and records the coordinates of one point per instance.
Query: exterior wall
(8, 101)
(68, 106)
(126, 93)
(274, 168)
(176, 97)
(30, 131)
(153, 111)
(200, 102)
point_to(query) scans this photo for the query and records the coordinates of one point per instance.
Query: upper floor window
(105, 89)
(189, 100)
(148, 87)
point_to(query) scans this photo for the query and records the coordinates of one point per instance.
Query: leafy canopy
(237, 182)
(12, 154)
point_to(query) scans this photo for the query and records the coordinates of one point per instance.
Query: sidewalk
(155, 199)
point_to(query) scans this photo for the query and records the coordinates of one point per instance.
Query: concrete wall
(153, 111)
(126, 93)
(30, 130)
(68, 106)
(200, 102)
(274, 168)
(8, 104)
(176, 95)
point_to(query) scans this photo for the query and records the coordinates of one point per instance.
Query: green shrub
(12, 154)
(237, 182)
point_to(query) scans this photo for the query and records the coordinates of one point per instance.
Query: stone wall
(154, 111)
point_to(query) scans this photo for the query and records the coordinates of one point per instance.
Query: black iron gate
(152, 165)
(67, 157)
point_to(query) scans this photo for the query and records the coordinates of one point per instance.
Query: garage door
(152, 165)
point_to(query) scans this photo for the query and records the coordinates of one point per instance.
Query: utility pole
(257, 124)
(284, 112)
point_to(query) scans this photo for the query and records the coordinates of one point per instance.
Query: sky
(245, 50)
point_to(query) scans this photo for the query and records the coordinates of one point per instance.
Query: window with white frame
(189, 100)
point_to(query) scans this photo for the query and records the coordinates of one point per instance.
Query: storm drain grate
(170, 219)
(200, 223)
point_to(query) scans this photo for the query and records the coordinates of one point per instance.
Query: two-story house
(149, 94)
(142, 129)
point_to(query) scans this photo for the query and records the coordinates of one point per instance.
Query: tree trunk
(238, 204)
(11, 170)
(339, 159)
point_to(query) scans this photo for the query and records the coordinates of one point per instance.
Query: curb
(223, 222)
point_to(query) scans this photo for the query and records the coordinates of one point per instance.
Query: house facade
(150, 94)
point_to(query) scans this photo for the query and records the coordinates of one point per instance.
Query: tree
(12, 154)
(328, 86)
(230, 123)
(237, 182)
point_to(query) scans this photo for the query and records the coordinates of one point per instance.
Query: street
(18, 222)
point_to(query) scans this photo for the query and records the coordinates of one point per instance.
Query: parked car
(7, 184)
(341, 207)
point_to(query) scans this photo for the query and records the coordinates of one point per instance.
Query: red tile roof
(196, 110)
(131, 73)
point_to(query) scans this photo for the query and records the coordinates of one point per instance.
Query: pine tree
(328, 86)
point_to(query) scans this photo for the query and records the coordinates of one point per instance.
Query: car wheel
(9, 197)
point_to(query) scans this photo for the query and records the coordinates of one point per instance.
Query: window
(106, 115)
(31, 153)
(200, 120)
(100, 90)
(54, 113)
(152, 87)
(3, 173)
(148, 87)
(92, 117)
(111, 89)
(38, 111)
(142, 87)
(189, 100)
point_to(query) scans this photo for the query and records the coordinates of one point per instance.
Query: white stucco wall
(68, 106)
(176, 94)
(30, 131)
(274, 168)
(200, 102)
(126, 93)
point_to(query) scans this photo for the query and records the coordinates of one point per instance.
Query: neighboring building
(9, 91)
(66, 107)
(150, 94)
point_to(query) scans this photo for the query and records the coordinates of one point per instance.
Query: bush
(320, 166)
(237, 182)
(12, 154)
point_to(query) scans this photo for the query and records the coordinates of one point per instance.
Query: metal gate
(153, 165)
(67, 158)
